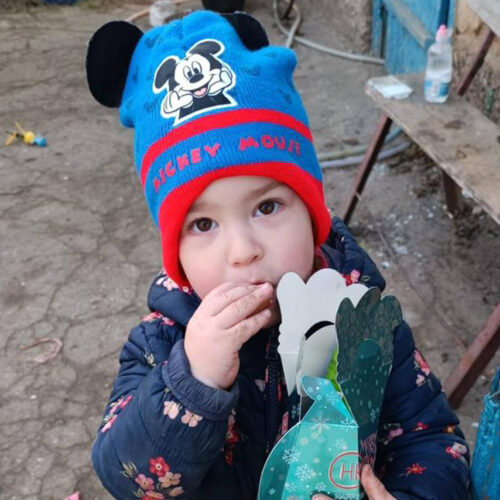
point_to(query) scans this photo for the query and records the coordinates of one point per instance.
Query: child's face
(246, 229)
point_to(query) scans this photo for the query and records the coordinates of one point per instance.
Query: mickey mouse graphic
(196, 83)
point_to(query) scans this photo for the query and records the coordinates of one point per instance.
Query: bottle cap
(441, 33)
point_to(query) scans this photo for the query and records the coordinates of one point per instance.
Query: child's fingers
(372, 485)
(245, 306)
(249, 327)
(226, 293)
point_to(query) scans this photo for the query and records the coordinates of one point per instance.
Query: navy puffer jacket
(166, 435)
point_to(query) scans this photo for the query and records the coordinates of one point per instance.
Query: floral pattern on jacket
(165, 485)
(173, 436)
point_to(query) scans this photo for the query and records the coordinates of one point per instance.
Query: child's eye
(202, 225)
(268, 207)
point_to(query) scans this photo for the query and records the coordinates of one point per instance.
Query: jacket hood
(341, 251)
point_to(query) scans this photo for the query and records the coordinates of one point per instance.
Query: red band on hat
(217, 121)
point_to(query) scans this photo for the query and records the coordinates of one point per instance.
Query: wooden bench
(466, 146)
(457, 136)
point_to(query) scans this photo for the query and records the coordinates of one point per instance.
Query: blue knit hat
(208, 98)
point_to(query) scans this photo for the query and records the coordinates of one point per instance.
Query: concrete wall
(351, 18)
(470, 32)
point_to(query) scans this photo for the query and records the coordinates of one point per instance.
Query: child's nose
(243, 248)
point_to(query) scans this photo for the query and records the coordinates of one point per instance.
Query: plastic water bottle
(439, 67)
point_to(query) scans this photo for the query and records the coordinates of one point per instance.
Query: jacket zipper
(272, 410)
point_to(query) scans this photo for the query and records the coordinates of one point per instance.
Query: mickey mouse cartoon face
(196, 83)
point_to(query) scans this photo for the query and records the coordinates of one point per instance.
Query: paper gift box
(324, 451)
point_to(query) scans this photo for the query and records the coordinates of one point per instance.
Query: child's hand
(224, 321)
(372, 485)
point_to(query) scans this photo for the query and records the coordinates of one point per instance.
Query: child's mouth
(269, 303)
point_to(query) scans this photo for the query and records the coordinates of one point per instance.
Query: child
(225, 156)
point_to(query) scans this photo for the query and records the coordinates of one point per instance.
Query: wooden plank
(402, 30)
(488, 11)
(403, 54)
(377, 28)
(410, 21)
(457, 136)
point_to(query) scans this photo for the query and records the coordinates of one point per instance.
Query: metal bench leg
(477, 356)
(366, 165)
(477, 63)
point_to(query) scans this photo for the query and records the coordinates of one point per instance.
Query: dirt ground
(78, 250)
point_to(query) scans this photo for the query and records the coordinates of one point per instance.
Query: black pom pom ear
(108, 58)
(250, 31)
(223, 5)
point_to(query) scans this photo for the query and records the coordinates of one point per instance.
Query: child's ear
(108, 58)
(250, 31)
